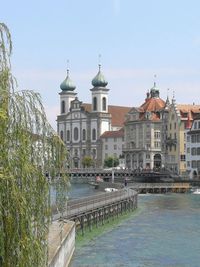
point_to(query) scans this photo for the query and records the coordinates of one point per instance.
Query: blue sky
(137, 39)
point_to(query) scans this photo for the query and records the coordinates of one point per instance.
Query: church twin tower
(99, 93)
(79, 124)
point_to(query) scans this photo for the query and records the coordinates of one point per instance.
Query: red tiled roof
(188, 110)
(153, 104)
(118, 113)
(154, 117)
(113, 134)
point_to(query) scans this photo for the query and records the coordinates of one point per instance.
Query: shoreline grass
(108, 225)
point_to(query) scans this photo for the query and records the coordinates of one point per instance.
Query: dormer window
(148, 115)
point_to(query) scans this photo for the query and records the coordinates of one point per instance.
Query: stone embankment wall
(61, 243)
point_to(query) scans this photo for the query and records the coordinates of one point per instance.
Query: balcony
(171, 141)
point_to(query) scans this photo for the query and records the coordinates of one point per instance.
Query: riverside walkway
(97, 209)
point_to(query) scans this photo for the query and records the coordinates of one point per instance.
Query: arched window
(84, 134)
(94, 103)
(94, 134)
(63, 106)
(104, 103)
(75, 133)
(61, 135)
(68, 135)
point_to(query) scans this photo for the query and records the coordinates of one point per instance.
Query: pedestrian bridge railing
(86, 204)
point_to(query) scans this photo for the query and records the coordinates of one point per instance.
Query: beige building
(143, 133)
(176, 135)
(112, 143)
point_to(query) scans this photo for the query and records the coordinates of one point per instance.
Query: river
(165, 231)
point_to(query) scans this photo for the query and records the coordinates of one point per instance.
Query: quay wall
(61, 244)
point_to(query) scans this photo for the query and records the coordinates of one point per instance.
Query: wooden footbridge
(160, 188)
(94, 210)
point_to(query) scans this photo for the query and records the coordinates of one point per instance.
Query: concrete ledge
(61, 244)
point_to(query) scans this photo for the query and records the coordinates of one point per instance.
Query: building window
(75, 133)
(94, 134)
(61, 135)
(188, 150)
(188, 138)
(84, 152)
(198, 138)
(94, 103)
(68, 135)
(106, 147)
(104, 103)
(147, 156)
(115, 147)
(157, 135)
(94, 153)
(157, 144)
(115, 139)
(63, 106)
(193, 152)
(188, 163)
(195, 125)
(182, 157)
(198, 150)
(175, 125)
(193, 138)
(199, 124)
(194, 164)
(84, 134)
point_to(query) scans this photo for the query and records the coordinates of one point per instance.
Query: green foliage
(87, 161)
(111, 162)
(28, 148)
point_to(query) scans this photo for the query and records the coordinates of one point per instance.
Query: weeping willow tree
(28, 149)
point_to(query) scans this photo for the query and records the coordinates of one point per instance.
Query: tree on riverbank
(28, 149)
(111, 162)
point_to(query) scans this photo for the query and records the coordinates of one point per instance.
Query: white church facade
(80, 125)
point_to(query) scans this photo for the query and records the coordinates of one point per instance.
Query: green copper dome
(154, 91)
(99, 80)
(67, 84)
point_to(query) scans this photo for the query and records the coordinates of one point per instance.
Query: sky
(137, 39)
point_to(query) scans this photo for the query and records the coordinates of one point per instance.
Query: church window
(94, 103)
(75, 133)
(63, 106)
(68, 135)
(84, 134)
(94, 134)
(104, 103)
(94, 152)
(61, 135)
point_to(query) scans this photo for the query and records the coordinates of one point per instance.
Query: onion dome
(154, 91)
(99, 80)
(67, 84)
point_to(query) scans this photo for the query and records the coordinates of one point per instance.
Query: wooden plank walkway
(87, 204)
